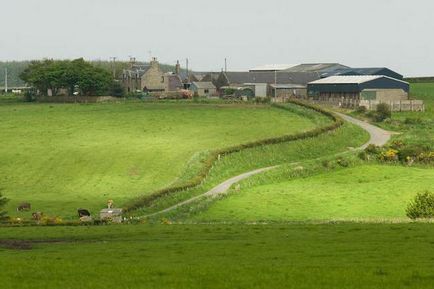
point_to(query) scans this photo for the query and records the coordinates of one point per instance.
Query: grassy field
(62, 157)
(338, 141)
(416, 127)
(219, 256)
(365, 192)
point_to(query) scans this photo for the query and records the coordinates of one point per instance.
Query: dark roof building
(364, 71)
(355, 83)
(282, 77)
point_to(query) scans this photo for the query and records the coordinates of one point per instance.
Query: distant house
(150, 78)
(350, 90)
(203, 88)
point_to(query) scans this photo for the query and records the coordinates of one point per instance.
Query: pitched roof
(272, 67)
(204, 85)
(316, 67)
(175, 82)
(351, 79)
(281, 77)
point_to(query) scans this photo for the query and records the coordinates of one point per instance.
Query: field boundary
(217, 154)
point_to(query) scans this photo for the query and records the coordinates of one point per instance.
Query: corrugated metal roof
(273, 67)
(316, 67)
(355, 79)
(281, 77)
(351, 79)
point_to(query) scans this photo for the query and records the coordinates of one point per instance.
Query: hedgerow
(216, 154)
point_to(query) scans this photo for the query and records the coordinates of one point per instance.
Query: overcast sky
(393, 33)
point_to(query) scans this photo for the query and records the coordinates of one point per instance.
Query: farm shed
(203, 88)
(261, 80)
(364, 71)
(349, 90)
(287, 91)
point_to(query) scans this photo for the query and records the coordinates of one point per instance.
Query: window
(206, 91)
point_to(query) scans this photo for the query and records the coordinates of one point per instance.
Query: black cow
(24, 207)
(83, 213)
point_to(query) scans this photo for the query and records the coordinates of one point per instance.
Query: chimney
(154, 62)
(177, 68)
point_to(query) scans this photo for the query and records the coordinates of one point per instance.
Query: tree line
(69, 77)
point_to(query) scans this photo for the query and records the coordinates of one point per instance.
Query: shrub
(412, 121)
(343, 163)
(422, 207)
(389, 155)
(410, 152)
(372, 149)
(383, 112)
(116, 89)
(29, 95)
(363, 155)
(426, 157)
(361, 109)
(3, 202)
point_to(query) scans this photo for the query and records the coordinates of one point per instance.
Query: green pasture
(361, 256)
(416, 127)
(342, 140)
(60, 157)
(364, 192)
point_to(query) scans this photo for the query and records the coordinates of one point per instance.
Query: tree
(3, 202)
(58, 74)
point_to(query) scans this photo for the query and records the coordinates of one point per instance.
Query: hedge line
(214, 156)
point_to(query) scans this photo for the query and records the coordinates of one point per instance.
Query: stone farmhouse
(150, 78)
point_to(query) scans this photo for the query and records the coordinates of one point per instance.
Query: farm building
(364, 71)
(259, 81)
(319, 68)
(352, 90)
(284, 91)
(203, 88)
(271, 67)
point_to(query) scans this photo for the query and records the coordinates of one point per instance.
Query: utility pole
(6, 80)
(226, 65)
(113, 65)
(275, 84)
(188, 72)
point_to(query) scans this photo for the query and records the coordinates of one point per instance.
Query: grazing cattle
(83, 213)
(24, 207)
(37, 216)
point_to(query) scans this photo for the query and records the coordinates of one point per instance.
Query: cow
(37, 216)
(83, 213)
(24, 207)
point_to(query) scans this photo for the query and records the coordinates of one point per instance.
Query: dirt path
(378, 137)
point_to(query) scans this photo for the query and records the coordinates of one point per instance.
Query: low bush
(3, 202)
(383, 112)
(361, 109)
(422, 207)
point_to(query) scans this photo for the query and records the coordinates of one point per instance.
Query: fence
(395, 105)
